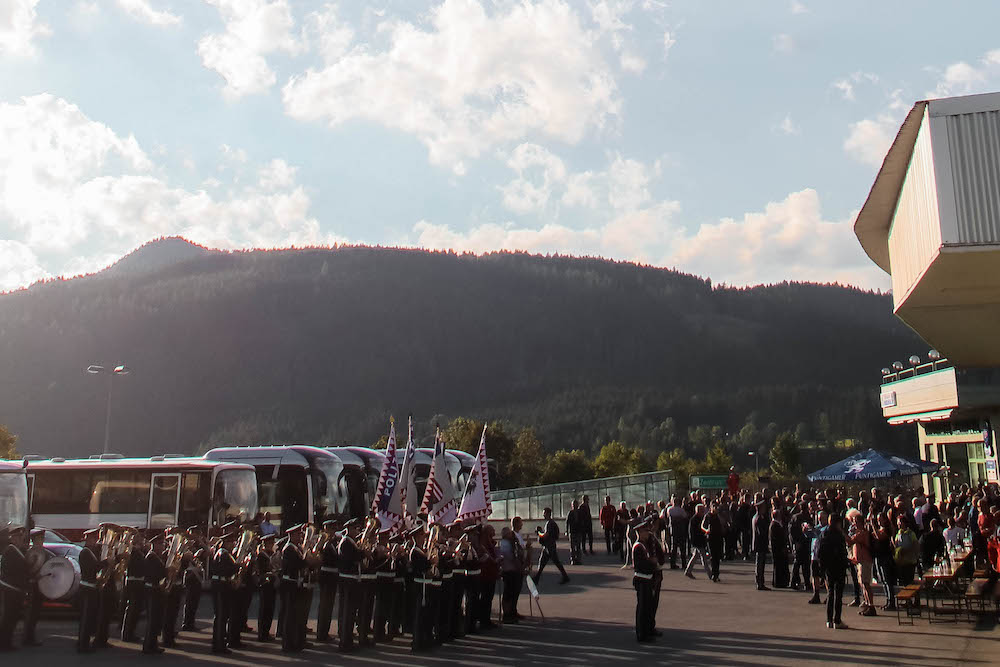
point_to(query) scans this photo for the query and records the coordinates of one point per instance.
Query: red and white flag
(408, 482)
(387, 504)
(476, 504)
(439, 497)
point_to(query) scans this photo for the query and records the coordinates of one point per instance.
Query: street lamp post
(119, 370)
(756, 465)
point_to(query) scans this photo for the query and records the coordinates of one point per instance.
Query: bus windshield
(235, 496)
(330, 492)
(13, 499)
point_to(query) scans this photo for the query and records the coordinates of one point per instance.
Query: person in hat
(548, 539)
(155, 572)
(384, 591)
(455, 627)
(412, 538)
(223, 571)
(329, 575)
(194, 576)
(646, 569)
(349, 556)
(13, 575)
(134, 590)
(36, 557)
(267, 586)
(110, 592)
(473, 580)
(89, 599)
(292, 564)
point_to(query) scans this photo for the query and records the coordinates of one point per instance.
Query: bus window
(294, 494)
(163, 500)
(114, 491)
(235, 496)
(13, 499)
(269, 494)
(330, 493)
(194, 499)
(355, 481)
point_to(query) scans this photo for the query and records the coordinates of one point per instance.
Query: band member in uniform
(36, 557)
(243, 586)
(90, 596)
(384, 593)
(366, 597)
(223, 571)
(292, 564)
(489, 565)
(449, 597)
(329, 575)
(654, 547)
(473, 580)
(194, 577)
(134, 590)
(350, 556)
(110, 588)
(432, 596)
(13, 575)
(174, 590)
(267, 586)
(303, 602)
(155, 572)
(400, 565)
(420, 621)
(646, 569)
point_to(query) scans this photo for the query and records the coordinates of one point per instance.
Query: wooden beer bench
(908, 601)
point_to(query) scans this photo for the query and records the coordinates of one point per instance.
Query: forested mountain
(321, 345)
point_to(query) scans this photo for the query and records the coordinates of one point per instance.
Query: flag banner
(387, 504)
(476, 504)
(408, 482)
(439, 497)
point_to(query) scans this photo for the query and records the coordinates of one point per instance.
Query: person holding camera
(548, 540)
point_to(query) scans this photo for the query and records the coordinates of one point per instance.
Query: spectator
(860, 540)
(608, 519)
(779, 550)
(548, 539)
(834, 563)
(712, 525)
(512, 566)
(906, 550)
(574, 528)
(932, 546)
(587, 521)
(266, 527)
(760, 540)
(678, 519)
(954, 535)
(698, 542)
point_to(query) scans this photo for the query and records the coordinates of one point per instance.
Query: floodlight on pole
(756, 462)
(119, 369)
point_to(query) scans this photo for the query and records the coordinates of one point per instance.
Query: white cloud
(783, 43)
(632, 63)
(868, 140)
(18, 266)
(524, 194)
(797, 7)
(333, 35)
(847, 84)
(788, 240)
(142, 10)
(668, 42)
(472, 80)
(788, 126)
(20, 27)
(68, 183)
(253, 29)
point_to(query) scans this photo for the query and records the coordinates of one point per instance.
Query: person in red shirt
(607, 517)
(733, 482)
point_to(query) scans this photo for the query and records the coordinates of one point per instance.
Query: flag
(387, 504)
(439, 496)
(408, 482)
(476, 504)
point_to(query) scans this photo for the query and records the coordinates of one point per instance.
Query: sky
(733, 140)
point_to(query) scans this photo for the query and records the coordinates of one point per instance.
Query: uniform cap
(35, 532)
(295, 528)
(92, 531)
(269, 538)
(330, 524)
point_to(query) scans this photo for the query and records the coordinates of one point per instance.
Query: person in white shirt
(954, 534)
(918, 512)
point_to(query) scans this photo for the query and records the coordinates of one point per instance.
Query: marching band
(426, 581)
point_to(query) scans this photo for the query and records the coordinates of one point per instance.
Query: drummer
(36, 557)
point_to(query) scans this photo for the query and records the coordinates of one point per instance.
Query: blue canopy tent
(871, 464)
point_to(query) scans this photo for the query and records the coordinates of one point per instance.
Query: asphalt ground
(589, 622)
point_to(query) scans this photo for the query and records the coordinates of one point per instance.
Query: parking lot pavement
(588, 622)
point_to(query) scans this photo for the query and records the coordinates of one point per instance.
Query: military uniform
(172, 604)
(36, 557)
(329, 578)
(644, 581)
(421, 621)
(133, 593)
(266, 591)
(194, 574)
(292, 564)
(223, 570)
(13, 576)
(155, 572)
(89, 598)
(350, 556)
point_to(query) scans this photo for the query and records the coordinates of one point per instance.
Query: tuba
(175, 550)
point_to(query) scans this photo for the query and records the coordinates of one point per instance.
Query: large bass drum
(59, 578)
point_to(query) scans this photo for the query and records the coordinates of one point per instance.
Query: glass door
(164, 499)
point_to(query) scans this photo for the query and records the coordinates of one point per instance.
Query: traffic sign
(707, 481)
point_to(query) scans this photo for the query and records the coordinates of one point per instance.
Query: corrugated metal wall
(974, 147)
(915, 236)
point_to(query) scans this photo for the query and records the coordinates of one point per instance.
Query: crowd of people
(813, 540)
(434, 583)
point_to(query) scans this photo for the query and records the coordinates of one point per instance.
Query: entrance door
(164, 499)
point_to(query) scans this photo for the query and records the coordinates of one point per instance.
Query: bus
(362, 467)
(74, 495)
(297, 483)
(13, 495)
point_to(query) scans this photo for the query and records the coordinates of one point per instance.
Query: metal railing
(913, 371)
(528, 502)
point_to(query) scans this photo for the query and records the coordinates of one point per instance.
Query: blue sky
(729, 139)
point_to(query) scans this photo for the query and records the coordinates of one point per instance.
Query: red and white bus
(13, 495)
(71, 496)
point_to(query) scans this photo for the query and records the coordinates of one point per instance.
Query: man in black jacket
(329, 574)
(548, 539)
(779, 550)
(574, 527)
(223, 569)
(13, 579)
(834, 563)
(800, 547)
(155, 572)
(134, 590)
(587, 523)
(89, 598)
(760, 540)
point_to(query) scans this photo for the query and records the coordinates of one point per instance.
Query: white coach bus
(13, 495)
(73, 495)
(297, 483)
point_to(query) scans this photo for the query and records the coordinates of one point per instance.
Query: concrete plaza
(589, 622)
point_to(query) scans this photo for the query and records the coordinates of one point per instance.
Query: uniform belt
(134, 580)
(216, 577)
(330, 570)
(398, 580)
(473, 573)
(461, 572)
(13, 588)
(352, 577)
(368, 577)
(293, 580)
(640, 575)
(385, 575)
(87, 584)
(435, 582)
(447, 576)
(423, 581)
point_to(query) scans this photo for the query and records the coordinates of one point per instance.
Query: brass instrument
(432, 548)
(179, 543)
(110, 536)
